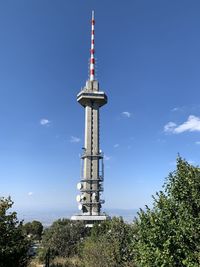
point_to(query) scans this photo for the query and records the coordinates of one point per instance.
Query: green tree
(169, 233)
(110, 245)
(63, 237)
(100, 251)
(34, 228)
(13, 244)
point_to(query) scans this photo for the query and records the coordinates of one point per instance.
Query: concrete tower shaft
(92, 177)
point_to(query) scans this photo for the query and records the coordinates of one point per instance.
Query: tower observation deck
(92, 170)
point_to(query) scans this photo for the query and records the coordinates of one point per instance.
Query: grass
(35, 263)
(58, 262)
(66, 262)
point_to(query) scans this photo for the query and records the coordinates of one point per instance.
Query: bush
(110, 245)
(63, 238)
(66, 262)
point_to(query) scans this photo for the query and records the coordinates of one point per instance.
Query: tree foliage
(63, 237)
(169, 233)
(34, 228)
(110, 245)
(13, 244)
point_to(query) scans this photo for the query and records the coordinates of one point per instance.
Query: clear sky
(148, 55)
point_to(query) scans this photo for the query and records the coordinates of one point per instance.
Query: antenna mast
(92, 58)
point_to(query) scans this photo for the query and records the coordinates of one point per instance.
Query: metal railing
(96, 155)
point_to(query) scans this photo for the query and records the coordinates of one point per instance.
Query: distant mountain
(127, 214)
(48, 217)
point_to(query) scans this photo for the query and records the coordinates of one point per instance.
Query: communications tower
(92, 171)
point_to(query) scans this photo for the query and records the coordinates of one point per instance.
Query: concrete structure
(92, 174)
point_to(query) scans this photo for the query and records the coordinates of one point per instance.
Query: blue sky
(148, 55)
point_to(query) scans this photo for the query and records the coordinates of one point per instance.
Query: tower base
(90, 219)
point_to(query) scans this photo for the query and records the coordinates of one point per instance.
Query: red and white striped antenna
(92, 59)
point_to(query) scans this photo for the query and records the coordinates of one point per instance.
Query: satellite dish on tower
(78, 198)
(80, 206)
(94, 195)
(79, 186)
